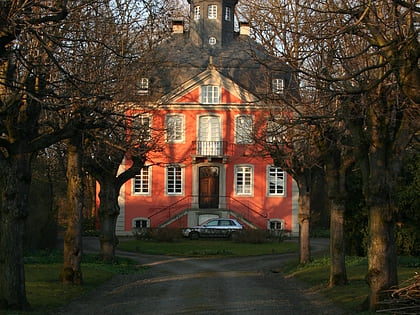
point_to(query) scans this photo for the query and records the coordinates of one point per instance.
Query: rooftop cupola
(212, 22)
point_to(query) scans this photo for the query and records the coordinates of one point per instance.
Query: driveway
(245, 285)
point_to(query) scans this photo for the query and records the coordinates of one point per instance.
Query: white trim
(149, 183)
(197, 12)
(210, 94)
(133, 222)
(276, 220)
(181, 193)
(212, 12)
(269, 194)
(277, 85)
(250, 130)
(182, 116)
(235, 181)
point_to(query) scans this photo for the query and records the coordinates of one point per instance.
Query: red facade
(208, 105)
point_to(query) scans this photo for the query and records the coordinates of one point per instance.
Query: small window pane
(197, 14)
(243, 180)
(174, 180)
(277, 85)
(210, 94)
(141, 182)
(212, 14)
(244, 129)
(276, 181)
(228, 13)
(174, 128)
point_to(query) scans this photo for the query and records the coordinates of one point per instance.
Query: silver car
(214, 228)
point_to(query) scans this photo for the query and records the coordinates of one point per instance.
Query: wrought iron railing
(246, 209)
(209, 148)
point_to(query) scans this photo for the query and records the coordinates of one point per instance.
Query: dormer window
(277, 86)
(212, 13)
(210, 94)
(143, 86)
(228, 13)
(197, 14)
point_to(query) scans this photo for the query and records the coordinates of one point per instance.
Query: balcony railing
(209, 148)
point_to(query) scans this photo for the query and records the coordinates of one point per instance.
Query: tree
(368, 56)
(24, 66)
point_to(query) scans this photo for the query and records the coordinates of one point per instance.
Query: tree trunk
(108, 213)
(16, 173)
(304, 216)
(335, 170)
(338, 273)
(71, 272)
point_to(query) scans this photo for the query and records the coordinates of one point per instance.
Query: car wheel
(194, 236)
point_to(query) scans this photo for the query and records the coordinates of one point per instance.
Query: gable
(190, 91)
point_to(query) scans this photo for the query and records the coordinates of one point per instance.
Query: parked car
(219, 227)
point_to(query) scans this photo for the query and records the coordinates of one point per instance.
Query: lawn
(207, 248)
(351, 296)
(44, 290)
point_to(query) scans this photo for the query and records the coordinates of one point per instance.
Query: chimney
(178, 26)
(244, 28)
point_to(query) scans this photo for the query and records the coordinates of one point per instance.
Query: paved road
(246, 285)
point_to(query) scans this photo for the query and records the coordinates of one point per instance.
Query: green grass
(45, 292)
(351, 296)
(207, 248)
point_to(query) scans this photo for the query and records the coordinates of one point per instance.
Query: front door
(209, 187)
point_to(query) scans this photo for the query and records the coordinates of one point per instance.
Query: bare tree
(366, 53)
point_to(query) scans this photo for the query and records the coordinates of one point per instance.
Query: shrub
(157, 234)
(258, 236)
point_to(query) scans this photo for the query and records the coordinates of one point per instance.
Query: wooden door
(209, 187)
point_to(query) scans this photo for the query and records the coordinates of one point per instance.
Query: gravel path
(245, 285)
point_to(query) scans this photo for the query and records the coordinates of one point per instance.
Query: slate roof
(243, 61)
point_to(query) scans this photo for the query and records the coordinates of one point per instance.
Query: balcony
(209, 148)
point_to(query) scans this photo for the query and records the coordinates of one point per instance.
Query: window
(275, 224)
(141, 182)
(210, 94)
(276, 181)
(243, 129)
(212, 41)
(174, 128)
(174, 179)
(141, 223)
(143, 127)
(275, 132)
(212, 14)
(228, 13)
(243, 180)
(277, 86)
(197, 14)
(143, 86)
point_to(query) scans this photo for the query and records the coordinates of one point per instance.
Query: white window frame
(276, 222)
(210, 94)
(143, 86)
(140, 121)
(228, 13)
(146, 220)
(212, 11)
(277, 177)
(244, 173)
(174, 183)
(277, 85)
(244, 126)
(175, 133)
(197, 12)
(143, 180)
(274, 130)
